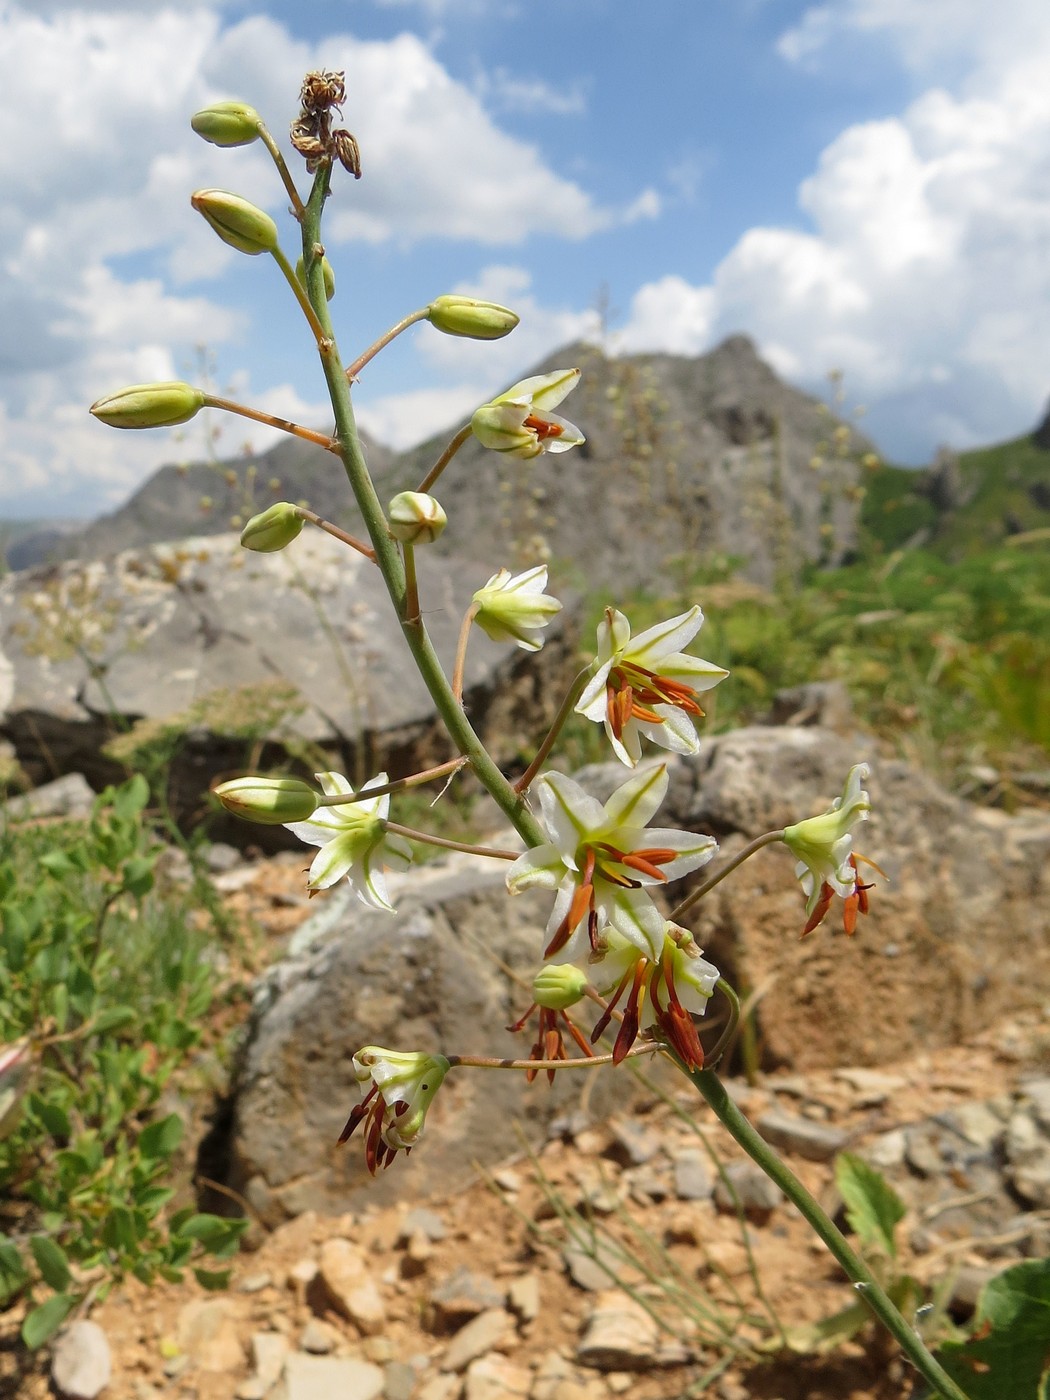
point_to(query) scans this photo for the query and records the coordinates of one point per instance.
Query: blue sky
(861, 185)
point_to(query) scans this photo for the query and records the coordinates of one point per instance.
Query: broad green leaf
(131, 797)
(212, 1278)
(13, 1273)
(53, 1116)
(138, 875)
(160, 1139)
(118, 1230)
(43, 1322)
(1008, 1352)
(51, 1261)
(873, 1208)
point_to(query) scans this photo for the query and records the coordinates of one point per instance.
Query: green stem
(727, 869)
(868, 1287)
(388, 557)
(446, 457)
(282, 170)
(384, 340)
(447, 844)
(729, 992)
(321, 333)
(574, 692)
(285, 425)
(336, 533)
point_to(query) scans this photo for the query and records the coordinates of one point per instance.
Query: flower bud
(237, 222)
(329, 277)
(149, 405)
(272, 529)
(558, 987)
(514, 607)
(227, 124)
(416, 518)
(479, 320)
(268, 801)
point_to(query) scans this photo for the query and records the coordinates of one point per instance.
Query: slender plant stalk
(282, 169)
(727, 869)
(321, 333)
(383, 341)
(258, 416)
(865, 1282)
(574, 692)
(427, 776)
(387, 555)
(446, 457)
(461, 651)
(336, 533)
(447, 843)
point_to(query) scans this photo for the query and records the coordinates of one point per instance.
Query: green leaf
(160, 1139)
(1008, 1353)
(112, 1018)
(13, 1273)
(43, 1322)
(214, 1279)
(118, 1230)
(53, 1116)
(873, 1208)
(138, 875)
(51, 1261)
(131, 797)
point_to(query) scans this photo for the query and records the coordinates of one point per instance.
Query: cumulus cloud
(101, 259)
(924, 276)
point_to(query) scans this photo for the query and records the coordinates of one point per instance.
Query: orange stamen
(542, 428)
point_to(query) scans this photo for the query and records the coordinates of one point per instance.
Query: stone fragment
(496, 1378)
(619, 1335)
(418, 1253)
(693, 1178)
(254, 1283)
(68, 796)
(324, 1377)
(888, 1150)
(758, 1196)
(421, 1221)
(507, 1179)
(1028, 1155)
(349, 1285)
(80, 1361)
(461, 1296)
(480, 1335)
(268, 1350)
(633, 1142)
(817, 1142)
(399, 1381)
(872, 1087)
(440, 1388)
(207, 1332)
(978, 1123)
(318, 1337)
(523, 1297)
(595, 1268)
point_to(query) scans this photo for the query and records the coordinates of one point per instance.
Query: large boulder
(229, 648)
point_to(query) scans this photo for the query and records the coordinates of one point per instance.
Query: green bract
(237, 222)
(227, 123)
(478, 320)
(149, 405)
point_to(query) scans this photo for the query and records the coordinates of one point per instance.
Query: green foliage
(873, 1208)
(108, 988)
(1008, 1350)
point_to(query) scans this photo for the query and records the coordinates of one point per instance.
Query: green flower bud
(227, 124)
(329, 276)
(558, 987)
(272, 529)
(416, 518)
(149, 405)
(237, 222)
(268, 801)
(480, 320)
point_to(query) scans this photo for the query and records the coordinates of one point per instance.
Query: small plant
(103, 990)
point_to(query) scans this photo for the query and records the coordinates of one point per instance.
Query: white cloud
(925, 277)
(506, 91)
(98, 244)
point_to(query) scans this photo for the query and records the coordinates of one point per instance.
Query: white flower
(518, 422)
(353, 841)
(648, 685)
(823, 848)
(512, 607)
(600, 859)
(403, 1085)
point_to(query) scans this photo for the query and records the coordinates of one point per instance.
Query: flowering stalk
(727, 869)
(384, 340)
(335, 532)
(271, 420)
(320, 333)
(446, 457)
(447, 844)
(871, 1292)
(387, 554)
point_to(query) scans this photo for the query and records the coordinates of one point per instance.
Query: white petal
(693, 850)
(542, 390)
(541, 868)
(628, 748)
(593, 703)
(614, 632)
(693, 670)
(569, 436)
(632, 913)
(334, 785)
(635, 801)
(675, 730)
(334, 860)
(651, 646)
(568, 812)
